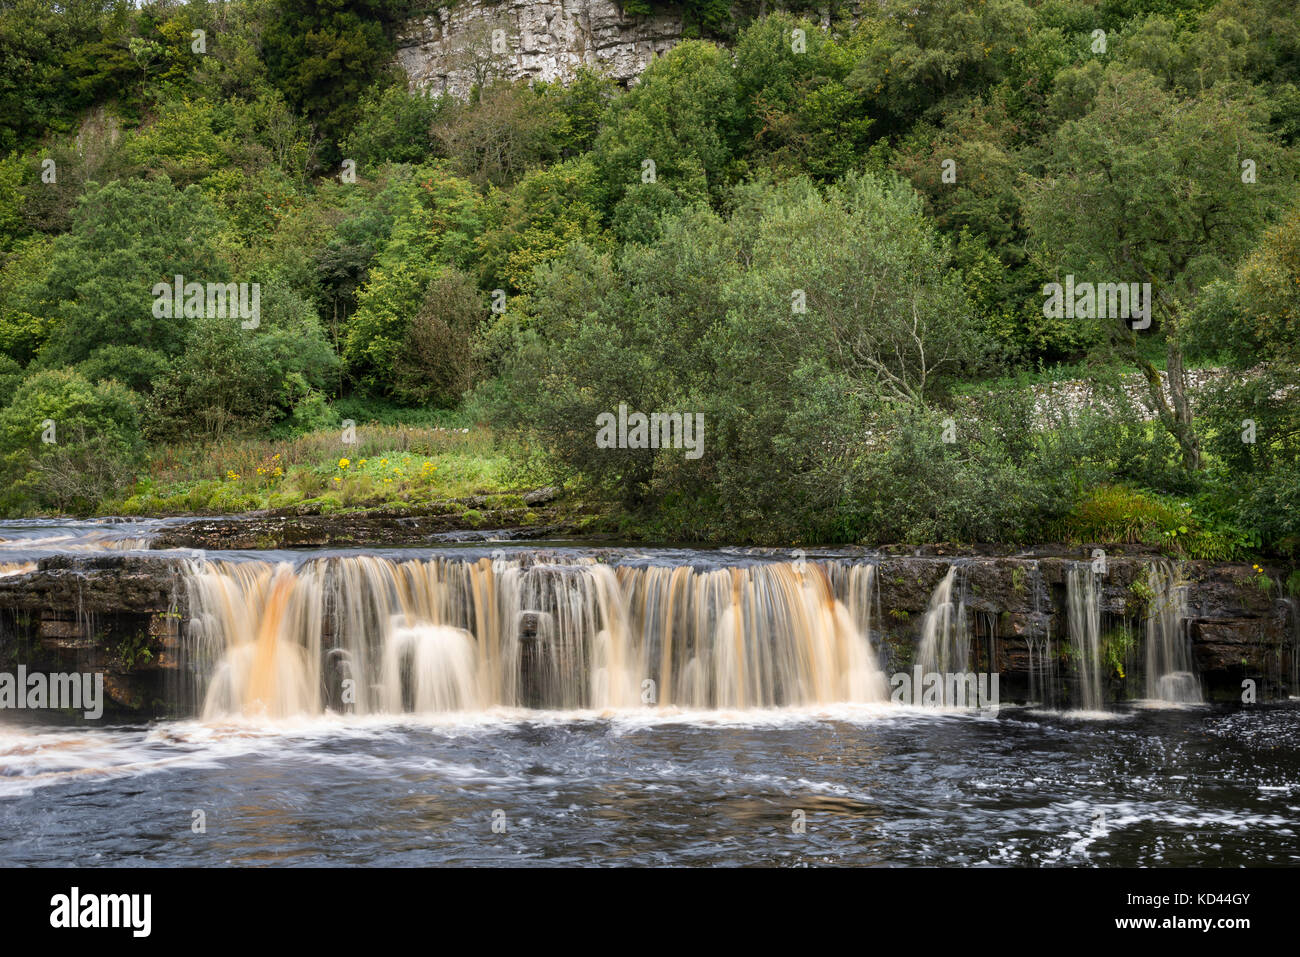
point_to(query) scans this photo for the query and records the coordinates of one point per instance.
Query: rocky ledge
(530, 515)
(124, 615)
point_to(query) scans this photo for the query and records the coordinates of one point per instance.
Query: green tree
(438, 219)
(126, 237)
(324, 54)
(395, 126)
(1147, 188)
(436, 363)
(799, 115)
(677, 127)
(65, 442)
(229, 379)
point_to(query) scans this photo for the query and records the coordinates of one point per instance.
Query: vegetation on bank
(830, 245)
(386, 465)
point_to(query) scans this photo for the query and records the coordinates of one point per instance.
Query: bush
(133, 366)
(435, 365)
(65, 443)
(1116, 514)
(233, 379)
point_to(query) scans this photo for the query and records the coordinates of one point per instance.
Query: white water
(945, 635)
(1042, 664)
(1084, 614)
(1170, 672)
(369, 635)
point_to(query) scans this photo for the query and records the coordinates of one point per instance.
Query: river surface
(867, 786)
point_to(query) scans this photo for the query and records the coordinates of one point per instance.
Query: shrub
(65, 443)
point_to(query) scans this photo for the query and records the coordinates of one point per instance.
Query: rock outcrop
(467, 42)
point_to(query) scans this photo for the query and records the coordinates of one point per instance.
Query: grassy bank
(387, 464)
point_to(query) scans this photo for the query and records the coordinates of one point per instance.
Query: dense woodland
(832, 244)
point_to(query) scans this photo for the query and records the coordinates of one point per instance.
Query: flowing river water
(543, 708)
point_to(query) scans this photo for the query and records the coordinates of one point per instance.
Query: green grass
(388, 464)
(1119, 515)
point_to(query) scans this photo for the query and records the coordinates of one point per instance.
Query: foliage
(65, 442)
(825, 230)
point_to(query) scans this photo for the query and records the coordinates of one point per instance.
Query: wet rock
(124, 615)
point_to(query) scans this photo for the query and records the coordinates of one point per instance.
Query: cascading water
(945, 635)
(1170, 673)
(372, 635)
(1293, 607)
(1042, 665)
(1084, 615)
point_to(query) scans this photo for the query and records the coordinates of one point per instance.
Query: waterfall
(1084, 615)
(945, 637)
(1170, 674)
(1042, 665)
(1293, 608)
(372, 635)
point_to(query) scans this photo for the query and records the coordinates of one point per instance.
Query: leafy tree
(324, 54)
(65, 443)
(914, 59)
(548, 209)
(127, 237)
(583, 102)
(23, 326)
(800, 117)
(133, 366)
(57, 59)
(437, 224)
(683, 117)
(508, 129)
(436, 363)
(788, 326)
(395, 126)
(229, 379)
(1146, 188)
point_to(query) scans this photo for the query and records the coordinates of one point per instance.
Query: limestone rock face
(471, 41)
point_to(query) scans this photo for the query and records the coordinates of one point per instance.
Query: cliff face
(472, 40)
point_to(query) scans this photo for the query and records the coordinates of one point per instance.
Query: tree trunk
(1174, 409)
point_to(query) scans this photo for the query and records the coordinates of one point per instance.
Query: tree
(1145, 187)
(65, 443)
(436, 364)
(395, 126)
(229, 379)
(509, 128)
(799, 115)
(126, 237)
(324, 54)
(913, 58)
(790, 326)
(548, 209)
(438, 218)
(677, 127)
